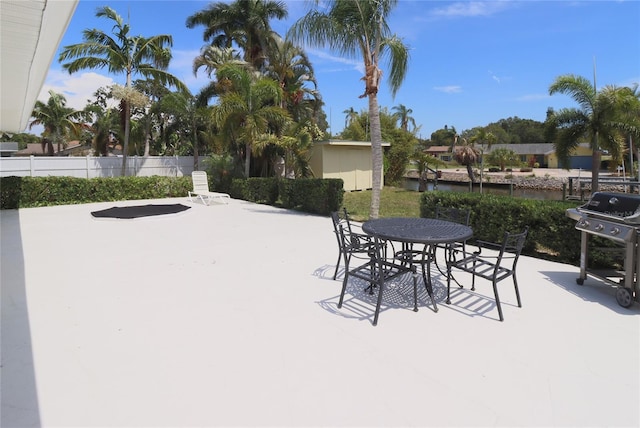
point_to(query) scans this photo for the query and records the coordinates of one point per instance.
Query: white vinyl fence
(91, 166)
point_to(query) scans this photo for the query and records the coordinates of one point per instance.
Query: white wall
(91, 166)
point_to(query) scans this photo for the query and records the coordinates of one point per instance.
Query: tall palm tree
(245, 22)
(148, 57)
(59, 121)
(250, 109)
(466, 155)
(291, 68)
(601, 119)
(360, 28)
(402, 114)
(351, 115)
(482, 137)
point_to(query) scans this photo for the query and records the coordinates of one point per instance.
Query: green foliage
(398, 156)
(26, 192)
(255, 189)
(552, 234)
(503, 158)
(314, 195)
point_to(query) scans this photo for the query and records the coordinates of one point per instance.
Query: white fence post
(32, 164)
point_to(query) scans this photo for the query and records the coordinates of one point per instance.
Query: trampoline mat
(139, 211)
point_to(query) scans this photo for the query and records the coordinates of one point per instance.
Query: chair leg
(448, 301)
(344, 286)
(515, 284)
(335, 274)
(495, 293)
(415, 290)
(428, 285)
(380, 291)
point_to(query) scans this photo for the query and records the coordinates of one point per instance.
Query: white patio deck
(226, 315)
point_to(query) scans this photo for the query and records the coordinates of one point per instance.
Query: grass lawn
(394, 202)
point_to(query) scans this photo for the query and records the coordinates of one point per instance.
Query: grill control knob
(583, 222)
(598, 227)
(615, 231)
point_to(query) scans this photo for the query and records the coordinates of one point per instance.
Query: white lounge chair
(201, 190)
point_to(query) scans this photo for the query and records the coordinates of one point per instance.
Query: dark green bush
(25, 192)
(314, 195)
(255, 189)
(552, 234)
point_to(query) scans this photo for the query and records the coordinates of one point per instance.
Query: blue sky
(472, 63)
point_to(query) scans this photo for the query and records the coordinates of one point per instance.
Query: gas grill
(614, 216)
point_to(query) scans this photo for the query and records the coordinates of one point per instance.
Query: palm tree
(59, 121)
(245, 22)
(601, 119)
(360, 28)
(350, 116)
(250, 109)
(291, 68)
(402, 115)
(148, 57)
(466, 155)
(188, 118)
(482, 137)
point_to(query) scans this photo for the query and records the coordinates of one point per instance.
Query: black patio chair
(370, 253)
(341, 218)
(493, 267)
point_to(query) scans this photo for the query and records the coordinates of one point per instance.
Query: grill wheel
(624, 296)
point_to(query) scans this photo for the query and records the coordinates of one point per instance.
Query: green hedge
(319, 196)
(552, 235)
(313, 195)
(25, 192)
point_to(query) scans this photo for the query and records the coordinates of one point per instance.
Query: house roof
(349, 143)
(438, 149)
(30, 31)
(37, 149)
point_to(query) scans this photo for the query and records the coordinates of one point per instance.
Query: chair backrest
(340, 218)
(513, 243)
(455, 215)
(200, 182)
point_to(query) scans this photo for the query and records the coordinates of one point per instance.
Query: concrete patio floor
(226, 315)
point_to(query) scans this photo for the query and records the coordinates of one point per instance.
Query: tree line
(262, 106)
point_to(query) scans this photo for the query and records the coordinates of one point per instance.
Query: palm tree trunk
(376, 155)
(195, 145)
(595, 170)
(147, 136)
(595, 163)
(247, 159)
(127, 129)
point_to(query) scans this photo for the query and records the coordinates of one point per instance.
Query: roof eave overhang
(30, 32)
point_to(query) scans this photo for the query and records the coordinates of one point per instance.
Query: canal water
(495, 189)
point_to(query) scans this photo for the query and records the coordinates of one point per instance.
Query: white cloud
(353, 64)
(533, 97)
(471, 8)
(76, 88)
(493, 76)
(451, 89)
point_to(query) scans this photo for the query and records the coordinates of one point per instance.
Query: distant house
(74, 148)
(8, 148)
(349, 160)
(441, 152)
(545, 154)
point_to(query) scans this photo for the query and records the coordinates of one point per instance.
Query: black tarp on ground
(139, 211)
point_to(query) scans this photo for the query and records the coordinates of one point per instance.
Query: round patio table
(413, 230)
(428, 231)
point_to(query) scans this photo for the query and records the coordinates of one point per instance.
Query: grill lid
(619, 207)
